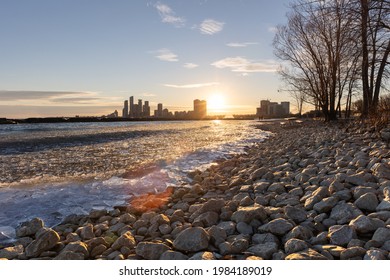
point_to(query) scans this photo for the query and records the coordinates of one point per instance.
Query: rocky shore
(310, 191)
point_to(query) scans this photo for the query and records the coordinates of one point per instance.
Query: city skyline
(72, 57)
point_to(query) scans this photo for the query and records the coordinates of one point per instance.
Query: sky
(85, 57)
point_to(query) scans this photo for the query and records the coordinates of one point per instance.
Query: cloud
(243, 65)
(190, 65)
(76, 100)
(168, 15)
(241, 45)
(166, 55)
(147, 94)
(188, 86)
(211, 27)
(15, 95)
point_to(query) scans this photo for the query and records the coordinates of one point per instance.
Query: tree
(319, 47)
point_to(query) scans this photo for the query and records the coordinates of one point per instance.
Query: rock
(367, 202)
(319, 194)
(278, 226)
(217, 235)
(359, 191)
(173, 256)
(29, 228)
(248, 214)
(203, 256)
(381, 170)
(160, 219)
(300, 232)
(69, 255)
(265, 250)
(127, 218)
(264, 238)
(341, 234)
(384, 205)
(75, 247)
(45, 240)
(308, 254)
(207, 219)
(344, 212)
(381, 235)
(364, 224)
(298, 215)
(277, 188)
(97, 213)
(125, 240)
(192, 239)
(98, 250)
(244, 228)
(239, 245)
(150, 250)
(374, 255)
(295, 245)
(258, 173)
(325, 205)
(352, 253)
(10, 253)
(86, 232)
(165, 229)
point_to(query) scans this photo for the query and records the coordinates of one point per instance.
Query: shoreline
(310, 191)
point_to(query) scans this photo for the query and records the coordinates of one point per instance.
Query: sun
(216, 103)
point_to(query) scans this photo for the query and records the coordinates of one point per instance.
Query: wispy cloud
(148, 94)
(166, 55)
(211, 27)
(241, 45)
(190, 65)
(243, 65)
(189, 86)
(18, 95)
(168, 15)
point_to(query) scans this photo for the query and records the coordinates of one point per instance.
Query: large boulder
(192, 239)
(248, 214)
(45, 240)
(150, 250)
(29, 228)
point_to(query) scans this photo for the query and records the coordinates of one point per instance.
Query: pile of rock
(312, 192)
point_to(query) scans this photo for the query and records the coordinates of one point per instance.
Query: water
(54, 170)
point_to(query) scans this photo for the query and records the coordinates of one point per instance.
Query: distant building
(131, 112)
(115, 114)
(146, 110)
(125, 111)
(200, 109)
(270, 109)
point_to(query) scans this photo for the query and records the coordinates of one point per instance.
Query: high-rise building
(146, 109)
(125, 111)
(159, 111)
(131, 112)
(200, 109)
(139, 113)
(269, 109)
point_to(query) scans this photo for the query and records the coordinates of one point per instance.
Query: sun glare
(216, 103)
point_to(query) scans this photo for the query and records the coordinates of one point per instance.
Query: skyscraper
(200, 109)
(125, 111)
(146, 110)
(131, 112)
(139, 111)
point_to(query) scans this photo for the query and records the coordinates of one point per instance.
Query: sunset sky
(84, 57)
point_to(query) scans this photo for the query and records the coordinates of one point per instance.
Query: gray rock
(75, 247)
(364, 224)
(173, 256)
(343, 212)
(69, 255)
(341, 234)
(381, 235)
(207, 219)
(217, 235)
(264, 238)
(300, 232)
(381, 170)
(127, 218)
(203, 256)
(239, 245)
(326, 204)
(367, 202)
(11, 252)
(359, 191)
(247, 214)
(319, 194)
(244, 228)
(277, 188)
(165, 229)
(278, 226)
(225, 248)
(258, 173)
(308, 254)
(352, 253)
(374, 255)
(45, 240)
(125, 240)
(384, 205)
(192, 239)
(86, 232)
(296, 214)
(229, 227)
(97, 213)
(295, 245)
(265, 250)
(150, 250)
(160, 219)
(29, 228)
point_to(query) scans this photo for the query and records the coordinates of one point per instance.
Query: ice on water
(176, 148)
